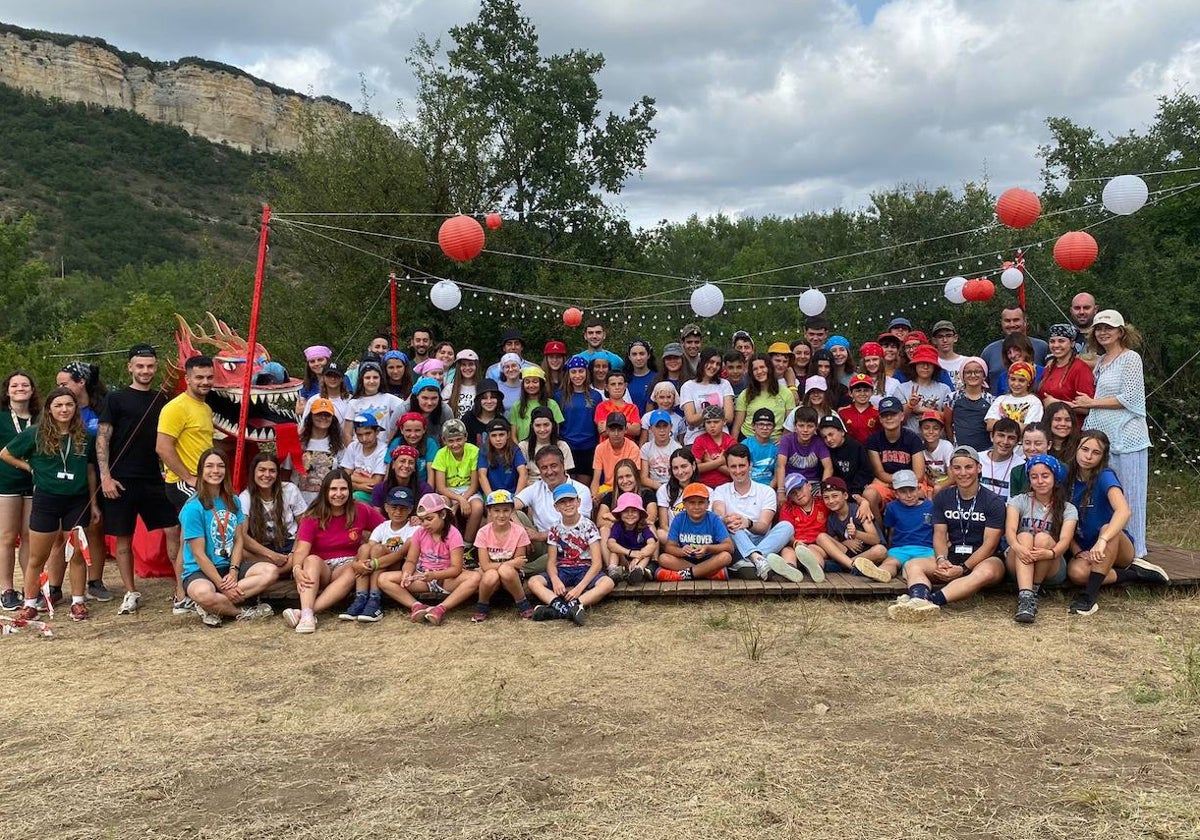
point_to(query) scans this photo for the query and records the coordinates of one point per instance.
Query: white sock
(77, 599)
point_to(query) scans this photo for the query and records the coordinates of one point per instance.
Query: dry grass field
(698, 719)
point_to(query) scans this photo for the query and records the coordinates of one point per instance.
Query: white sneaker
(130, 603)
(762, 568)
(913, 610)
(291, 616)
(257, 611)
(811, 563)
(867, 568)
(781, 567)
(209, 619)
(307, 625)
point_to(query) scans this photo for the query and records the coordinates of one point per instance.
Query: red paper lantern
(1018, 208)
(494, 221)
(986, 290)
(461, 238)
(573, 317)
(1076, 250)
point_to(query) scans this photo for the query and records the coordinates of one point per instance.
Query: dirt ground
(654, 721)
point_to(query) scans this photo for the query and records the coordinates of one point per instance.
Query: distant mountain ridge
(215, 101)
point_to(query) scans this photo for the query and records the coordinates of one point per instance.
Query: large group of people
(431, 477)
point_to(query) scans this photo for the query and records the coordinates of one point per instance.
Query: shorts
(189, 579)
(570, 576)
(904, 553)
(886, 492)
(335, 563)
(146, 498)
(52, 513)
(179, 493)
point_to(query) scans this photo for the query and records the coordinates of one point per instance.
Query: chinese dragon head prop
(272, 416)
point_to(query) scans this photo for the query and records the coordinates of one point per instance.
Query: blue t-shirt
(423, 462)
(502, 477)
(762, 460)
(218, 527)
(803, 458)
(708, 531)
(1097, 511)
(909, 525)
(91, 420)
(970, 425)
(895, 456)
(639, 388)
(579, 424)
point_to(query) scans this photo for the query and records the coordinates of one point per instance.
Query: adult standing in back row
(127, 457)
(1012, 320)
(1119, 410)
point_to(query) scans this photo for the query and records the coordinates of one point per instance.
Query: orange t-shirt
(605, 460)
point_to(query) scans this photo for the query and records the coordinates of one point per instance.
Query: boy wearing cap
(892, 448)
(365, 457)
(850, 461)
(968, 520)
(710, 448)
(861, 417)
(764, 452)
(850, 540)
(805, 511)
(656, 452)
(572, 580)
(909, 524)
(613, 447)
(691, 338)
(748, 510)
(501, 546)
(386, 547)
(455, 475)
(698, 543)
(945, 337)
(937, 452)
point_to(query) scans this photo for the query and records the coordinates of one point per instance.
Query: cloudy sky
(764, 106)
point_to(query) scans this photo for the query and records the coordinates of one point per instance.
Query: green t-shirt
(62, 474)
(13, 482)
(458, 472)
(521, 424)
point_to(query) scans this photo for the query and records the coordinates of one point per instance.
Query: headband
(317, 351)
(1055, 466)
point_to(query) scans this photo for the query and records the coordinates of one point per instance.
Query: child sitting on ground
(698, 543)
(909, 523)
(387, 546)
(501, 547)
(849, 540)
(808, 516)
(572, 580)
(631, 543)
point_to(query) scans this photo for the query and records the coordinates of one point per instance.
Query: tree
(499, 124)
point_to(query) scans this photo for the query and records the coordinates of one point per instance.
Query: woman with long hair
(578, 403)
(669, 497)
(641, 370)
(1065, 375)
(762, 391)
(321, 445)
(397, 374)
(19, 409)
(459, 394)
(402, 472)
(370, 398)
(272, 508)
(1064, 431)
(554, 362)
(708, 388)
(217, 574)
(315, 359)
(332, 533)
(1039, 528)
(59, 454)
(672, 370)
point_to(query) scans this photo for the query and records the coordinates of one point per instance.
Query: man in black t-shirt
(968, 521)
(130, 478)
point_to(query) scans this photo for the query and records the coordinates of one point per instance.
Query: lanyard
(962, 519)
(65, 453)
(17, 427)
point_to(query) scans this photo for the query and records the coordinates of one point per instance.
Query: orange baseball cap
(694, 490)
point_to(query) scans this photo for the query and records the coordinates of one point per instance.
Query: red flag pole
(251, 347)
(395, 328)
(1021, 288)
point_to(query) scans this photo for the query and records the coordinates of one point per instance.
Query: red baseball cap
(555, 348)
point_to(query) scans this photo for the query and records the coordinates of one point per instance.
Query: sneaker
(527, 613)
(291, 616)
(97, 591)
(209, 619)
(577, 613)
(182, 606)
(417, 612)
(10, 600)
(663, 574)
(762, 569)
(686, 574)
(130, 603)
(436, 615)
(781, 567)
(79, 612)
(903, 599)
(1083, 605)
(545, 612)
(373, 611)
(747, 572)
(1147, 572)
(356, 607)
(913, 610)
(810, 563)
(867, 568)
(1026, 608)
(27, 614)
(257, 611)
(307, 625)
(617, 574)
(480, 616)
(636, 575)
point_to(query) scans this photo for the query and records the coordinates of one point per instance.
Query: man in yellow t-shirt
(185, 430)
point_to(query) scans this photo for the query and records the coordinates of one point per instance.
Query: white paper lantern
(445, 295)
(707, 300)
(812, 302)
(1012, 278)
(954, 289)
(1125, 194)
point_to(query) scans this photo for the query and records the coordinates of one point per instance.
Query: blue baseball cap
(794, 481)
(900, 322)
(400, 497)
(890, 405)
(565, 491)
(659, 415)
(366, 420)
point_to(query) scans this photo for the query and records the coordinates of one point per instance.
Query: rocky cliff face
(222, 105)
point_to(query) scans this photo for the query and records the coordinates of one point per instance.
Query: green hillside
(109, 188)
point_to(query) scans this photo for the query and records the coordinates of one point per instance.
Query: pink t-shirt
(433, 555)
(336, 540)
(498, 549)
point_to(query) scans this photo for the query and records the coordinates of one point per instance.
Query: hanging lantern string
(353, 336)
(1139, 174)
(373, 214)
